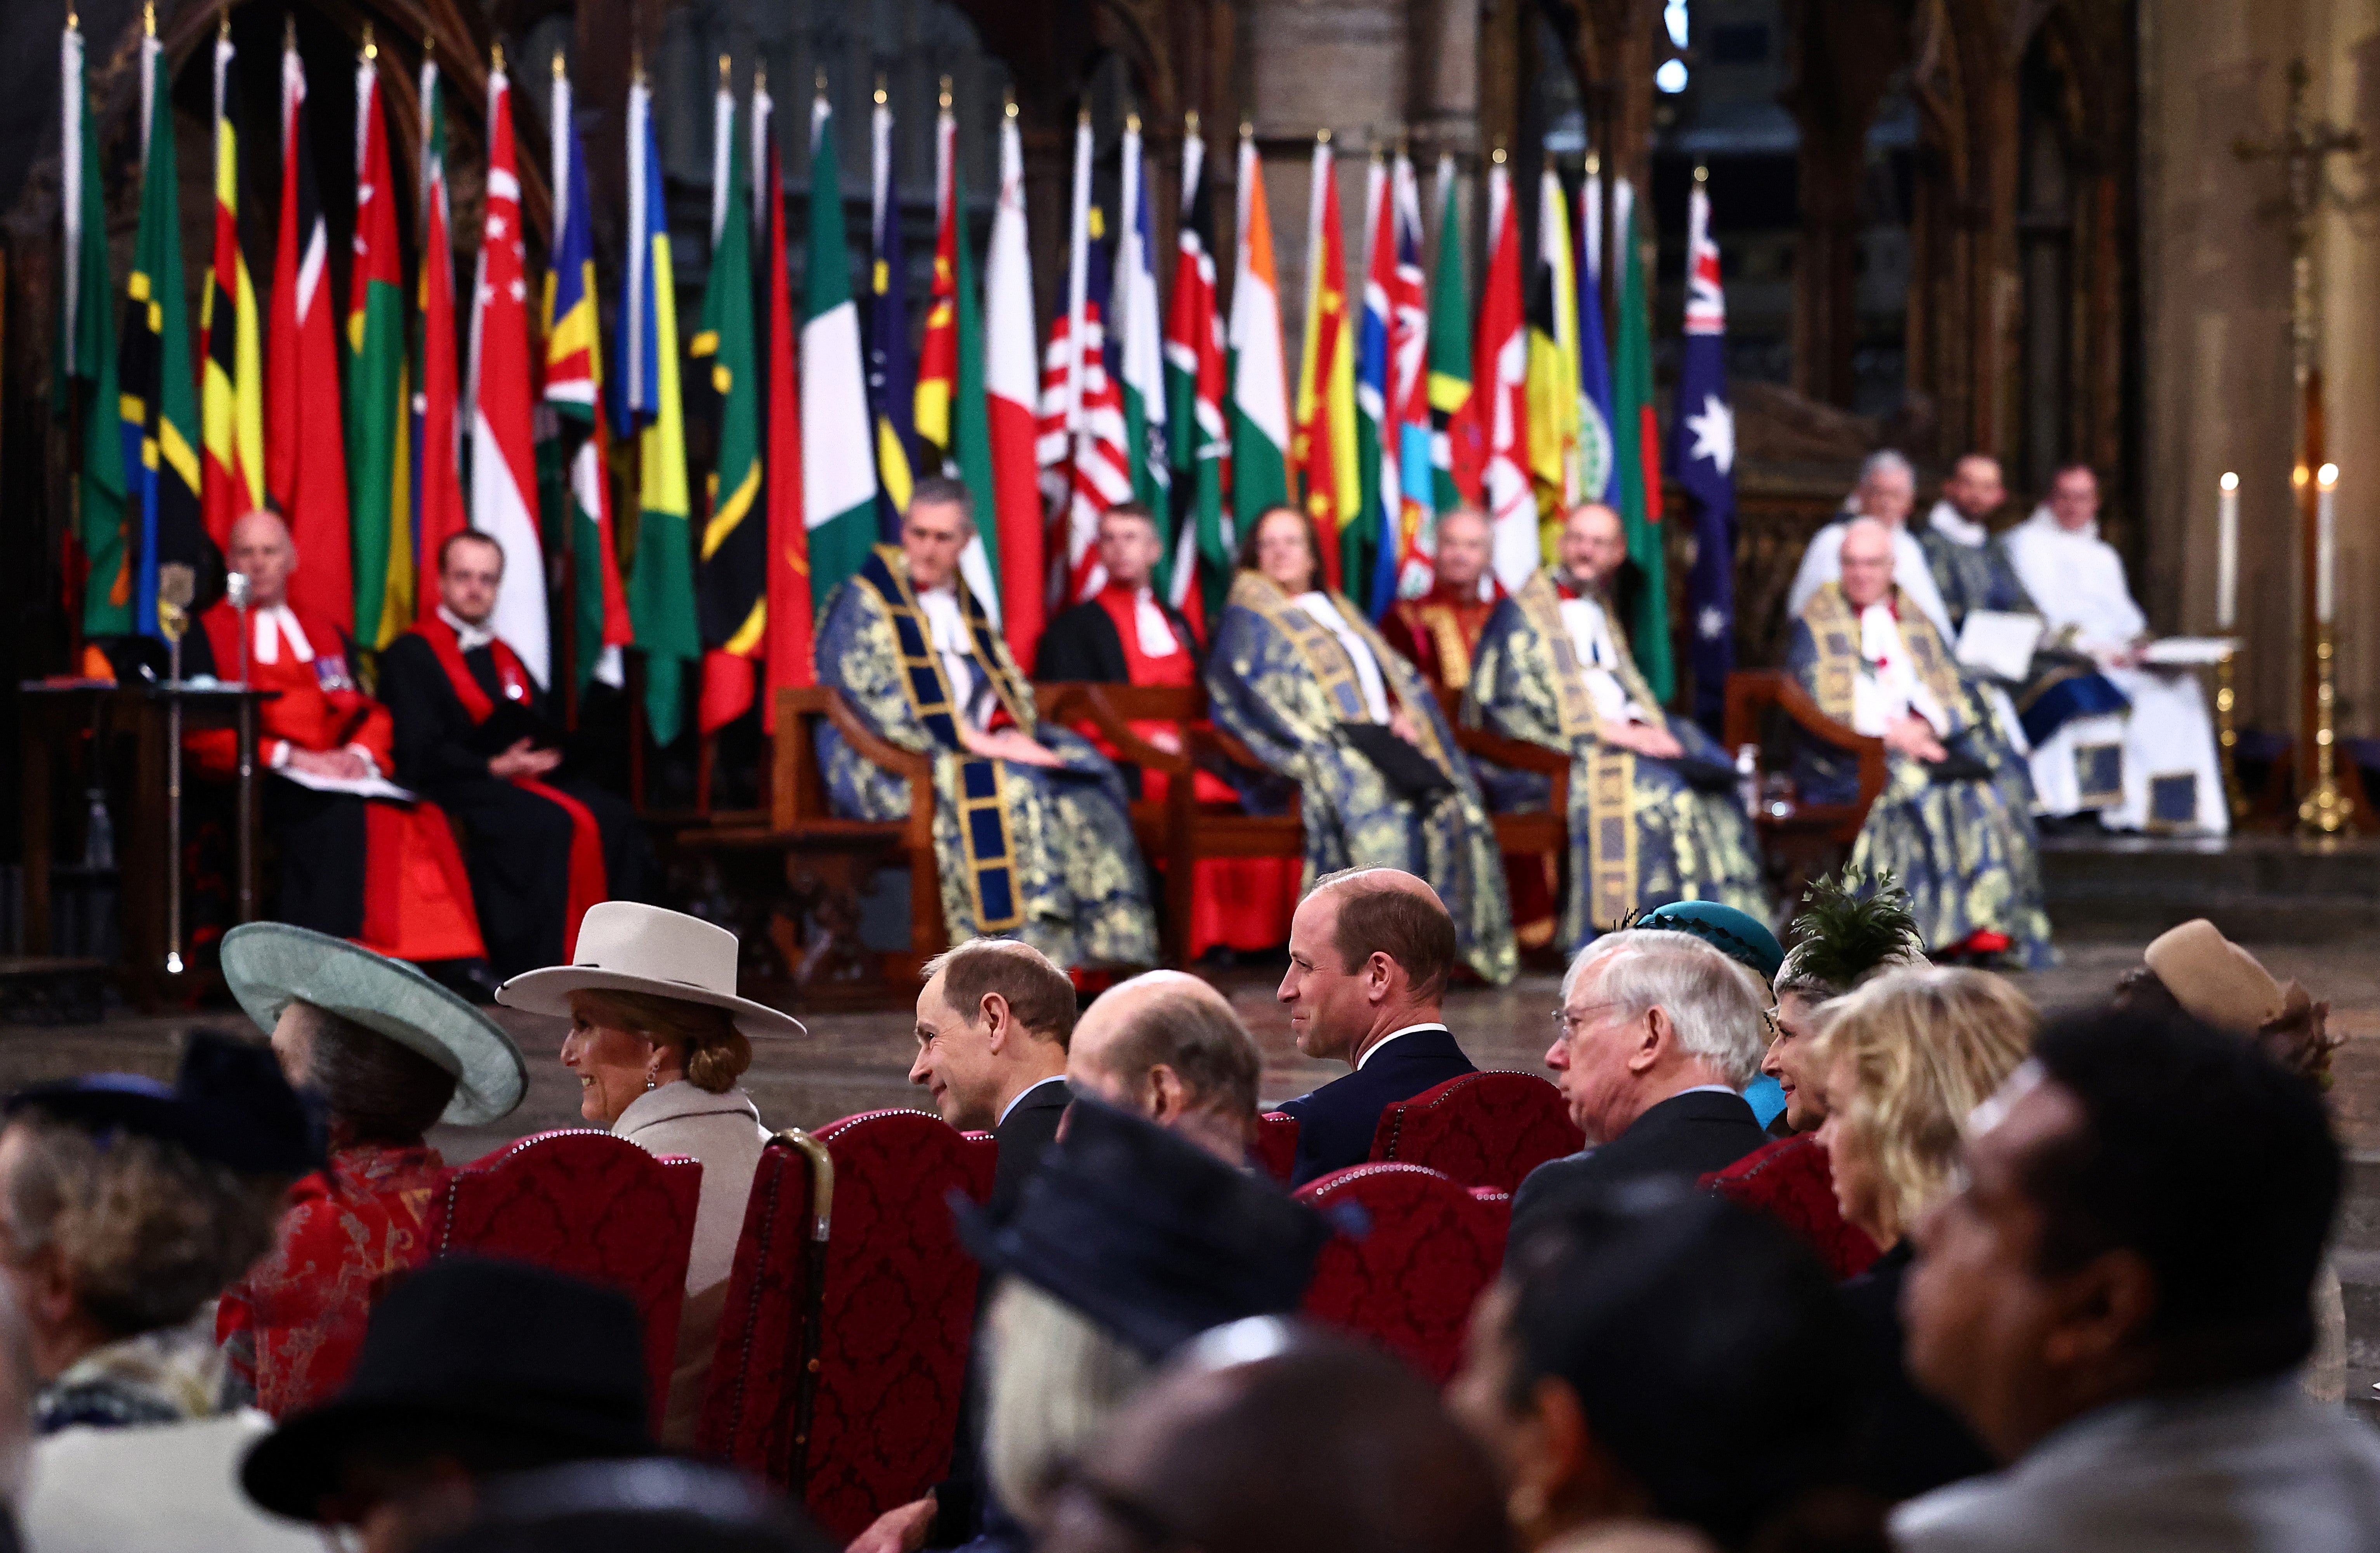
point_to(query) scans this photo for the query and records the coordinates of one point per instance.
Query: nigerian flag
(838, 468)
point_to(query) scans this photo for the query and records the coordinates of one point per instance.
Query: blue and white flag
(1702, 457)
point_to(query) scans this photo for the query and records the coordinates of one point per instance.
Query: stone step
(2258, 888)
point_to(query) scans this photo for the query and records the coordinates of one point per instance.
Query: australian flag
(1702, 457)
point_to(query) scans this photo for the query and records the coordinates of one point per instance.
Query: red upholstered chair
(757, 1412)
(896, 1313)
(1276, 1145)
(1489, 1129)
(1408, 1283)
(586, 1203)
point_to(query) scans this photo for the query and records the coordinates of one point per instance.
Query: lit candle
(2325, 544)
(2226, 554)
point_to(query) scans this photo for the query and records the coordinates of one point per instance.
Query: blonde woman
(658, 1039)
(1906, 1059)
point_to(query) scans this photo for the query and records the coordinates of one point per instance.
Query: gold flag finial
(1702, 172)
(882, 95)
(149, 17)
(1008, 102)
(822, 80)
(560, 70)
(1083, 114)
(289, 29)
(1132, 124)
(371, 50)
(759, 76)
(945, 98)
(1593, 164)
(1322, 137)
(496, 59)
(726, 71)
(1247, 129)
(1190, 124)
(1497, 156)
(74, 23)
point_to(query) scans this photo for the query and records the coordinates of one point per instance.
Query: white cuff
(280, 755)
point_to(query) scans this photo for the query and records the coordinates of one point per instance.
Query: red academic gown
(386, 875)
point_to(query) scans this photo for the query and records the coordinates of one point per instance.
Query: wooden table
(56, 715)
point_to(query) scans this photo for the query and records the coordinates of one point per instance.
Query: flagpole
(567, 639)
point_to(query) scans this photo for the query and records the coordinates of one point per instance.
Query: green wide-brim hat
(270, 965)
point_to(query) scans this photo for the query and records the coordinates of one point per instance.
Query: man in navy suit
(1659, 1033)
(1369, 952)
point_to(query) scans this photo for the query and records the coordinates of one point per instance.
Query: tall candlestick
(2325, 547)
(2226, 555)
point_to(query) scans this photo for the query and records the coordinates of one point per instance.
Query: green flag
(838, 473)
(970, 416)
(730, 582)
(1636, 434)
(1260, 408)
(377, 411)
(157, 393)
(661, 588)
(84, 377)
(1449, 338)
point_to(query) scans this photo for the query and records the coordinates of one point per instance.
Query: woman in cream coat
(658, 1039)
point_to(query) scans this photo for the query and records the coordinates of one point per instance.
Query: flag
(377, 432)
(1599, 473)
(85, 380)
(838, 475)
(1137, 339)
(1081, 432)
(660, 581)
(1449, 352)
(305, 450)
(1259, 414)
(1492, 426)
(892, 399)
(157, 393)
(503, 464)
(791, 657)
(953, 421)
(574, 386)
(231, 391)
(1637, 440)
(1552, 366)
(1702, 454)
(1193, 389)
(438, 509)
(1375, 441)
(1406, 559)
(731, 584)
(1324, 445)
(1008, 377)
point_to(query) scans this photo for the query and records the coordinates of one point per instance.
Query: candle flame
(2231, 480)
(2326, 477)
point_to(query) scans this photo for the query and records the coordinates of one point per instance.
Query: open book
(1999, 643)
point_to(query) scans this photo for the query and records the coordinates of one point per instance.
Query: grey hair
(1886, 458)
(1712, 1001)
(1056, 1377)
(1205, 1044)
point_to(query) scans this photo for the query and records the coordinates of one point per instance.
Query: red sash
(588, 885)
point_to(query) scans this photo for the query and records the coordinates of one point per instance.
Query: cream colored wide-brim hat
(2215, 979)
(627, 947)
(270, 965)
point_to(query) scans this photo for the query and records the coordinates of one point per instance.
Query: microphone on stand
(176, 585)
(236, 590)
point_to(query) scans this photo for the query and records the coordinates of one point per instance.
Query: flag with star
(1702, 457)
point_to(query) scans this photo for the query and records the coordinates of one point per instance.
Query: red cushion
(897, 1315)
(1487, 1128)
(1276, 1146)
(748, 1412)
(589, 1204)
(1408, 1283)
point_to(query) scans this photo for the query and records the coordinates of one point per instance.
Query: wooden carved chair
(1813, 838)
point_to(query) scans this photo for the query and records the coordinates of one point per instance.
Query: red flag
(306, 457)
(438, 474)
(792, 659)
(1009, 374)
(1492, 425)
(504, 468)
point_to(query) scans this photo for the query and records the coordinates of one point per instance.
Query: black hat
(1151, 1237)
(229, 1104)
(554, 1363)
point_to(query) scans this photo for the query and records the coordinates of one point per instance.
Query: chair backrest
(586, 1203)
(1276, 1145)
(1407, 1282)
(1484, 1129)
(896, 1315)
(761, 1386)
(798, 790)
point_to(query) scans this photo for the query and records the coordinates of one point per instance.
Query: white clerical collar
(272, 622)
(1956, 526)
(1053, 1078)
(2046, 520)
(1374, 1051)
(467, 637)
(1156, 632)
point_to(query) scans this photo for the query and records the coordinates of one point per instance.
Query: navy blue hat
(1149, 1236)
(228, 1104)
(1739, 935)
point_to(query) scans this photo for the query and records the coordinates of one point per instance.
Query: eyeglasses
(1565, 1022)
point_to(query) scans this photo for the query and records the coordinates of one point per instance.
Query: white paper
(1999, 643)
(361, 787)
(2183, 652)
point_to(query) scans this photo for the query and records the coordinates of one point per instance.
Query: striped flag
(838, 476)
(85, 381)
(1259, 413)
(377, 432)
(1008, 377)
(1495, 419)
(1323, 446)
(660, 581)
(1138, 335)
(504, 463)
(1455, 481)
(305, 450)
(732, 582)
(1085, 465)
(1194, 388)
(1598, 470)
(438, 509)
(231, 392)
(1637, 437)
(1407, 557)
(954, 419)
(1375, 445)
(574, 386)
(791, 657)
(892, 398)
(1552, 365)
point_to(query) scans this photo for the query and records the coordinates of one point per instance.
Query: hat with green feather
(1850, 925)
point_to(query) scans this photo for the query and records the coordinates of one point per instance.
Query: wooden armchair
(1814, 838)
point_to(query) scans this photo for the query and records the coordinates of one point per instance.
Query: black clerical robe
(539, 851)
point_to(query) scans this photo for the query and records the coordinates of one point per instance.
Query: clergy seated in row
(1032, 832)
(2167, 776)
(1654, 815)
(1942, 826)
(1301, 677)
(1440, 631)
(359, 859)
(475, 734)
(1126, 635)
